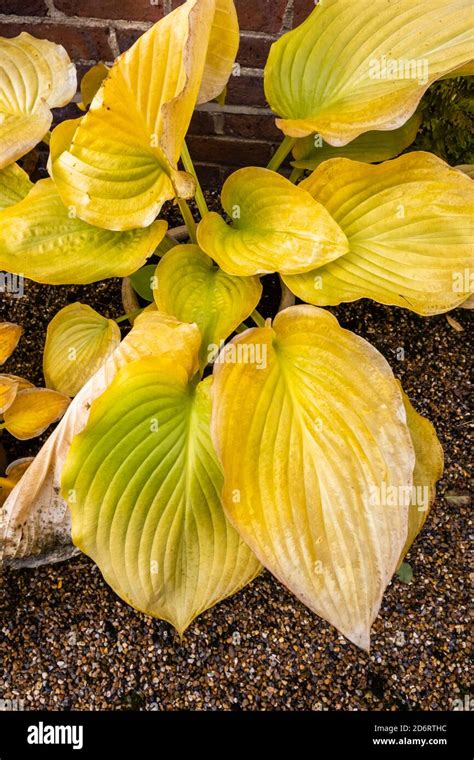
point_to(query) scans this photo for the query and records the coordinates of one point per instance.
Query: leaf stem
(129, 315)
(189, 166)
(281, 153)
(295, 175)
(188, 219)
(257, 318)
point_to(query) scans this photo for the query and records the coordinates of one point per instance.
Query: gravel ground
(67, 642)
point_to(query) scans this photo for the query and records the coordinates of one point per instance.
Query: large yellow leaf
(276, 227)
(35, 76)
(192, 289)
(43, 240)
(143, 484)
(78, 342)
(428, 470)
(10, 335)
(409, 223)
(370, 147)
(36, 518)
(358, 66)
(32, 411)
(122, 164)
(223, 46)
(308, 422)
(14, 185)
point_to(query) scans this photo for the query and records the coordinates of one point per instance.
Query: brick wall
(221, 138)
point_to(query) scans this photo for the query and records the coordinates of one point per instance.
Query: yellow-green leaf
(35, 76)
(10, 334)
(276, 227)
(122, 164)
(410, 232)
(191, 288)
(309, 424)
(428, 470)
(36, 518)
(34, 410)
(143, 484)
(14, 185)
(46, 242)
(78, 341)
(370, 147)
(357, 66)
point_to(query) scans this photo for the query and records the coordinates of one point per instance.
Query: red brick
(258, 15)
(23, 7)
(261, 15)
(302, 9)
(129, 10)
(229, 151)
(127, 37)
(202, 123)
(253, 51)
(211, 176)
(251, 126)
(81, 44)
(246, 91)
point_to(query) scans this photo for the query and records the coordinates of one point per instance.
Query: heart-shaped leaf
(14, 185)
(78, 342)
(409, 227)
(370, 147)
(35, 76)
(357, 66)
(46, 242)
(308, 422)
(276, 227)
(36, 518)
(191, 288)
(148, 510)
(122, 164)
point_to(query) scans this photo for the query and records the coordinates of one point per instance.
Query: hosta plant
(210, 441)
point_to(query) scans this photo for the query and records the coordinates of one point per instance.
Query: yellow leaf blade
(14, 185)
(276, 227)
(34, 410)
(410, 232)
(8, 391)
(192, 289)
(46, 242)
(355, 66)
(35, 76)
(149, 512)
(308, 422)
(429, 466)
(122, 164)
(78, 342)
(10, 335)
